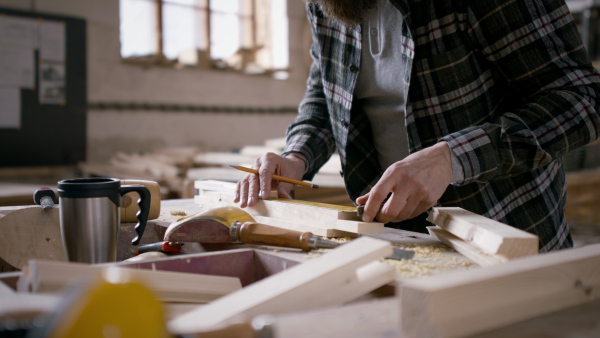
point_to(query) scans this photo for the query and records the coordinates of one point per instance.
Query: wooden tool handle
(262, 234)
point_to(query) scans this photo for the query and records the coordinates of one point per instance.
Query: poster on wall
(52, 65)
(17, 67)
(52, 82)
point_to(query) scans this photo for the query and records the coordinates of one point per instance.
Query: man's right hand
(252, 186)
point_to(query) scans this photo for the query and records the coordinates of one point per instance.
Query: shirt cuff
(458, 174)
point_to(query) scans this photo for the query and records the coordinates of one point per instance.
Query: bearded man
(450, 103)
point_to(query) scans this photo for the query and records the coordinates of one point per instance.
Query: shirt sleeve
(535, 47)
(310, 134)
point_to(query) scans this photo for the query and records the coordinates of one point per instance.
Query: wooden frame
(479, 300)
(338, 276)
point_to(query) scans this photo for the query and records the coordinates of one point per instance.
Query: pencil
(277, 177)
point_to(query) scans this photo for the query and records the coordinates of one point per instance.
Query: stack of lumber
(166, 166)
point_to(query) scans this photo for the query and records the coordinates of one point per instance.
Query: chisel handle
(262, 234)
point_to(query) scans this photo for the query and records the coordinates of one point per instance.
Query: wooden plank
(301, 212)
(53, 277)
(479, 300)
(29, 231)
(331, 279)
(319, 231)
(22, 304)
(466, 248)
(490, 236)
(375, 318)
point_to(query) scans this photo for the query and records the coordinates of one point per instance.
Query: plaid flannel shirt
(506, 83)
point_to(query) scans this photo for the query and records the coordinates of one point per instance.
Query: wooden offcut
(343, 274)
(53, 277)
(479, 300)
(28, 232)
(490, 236)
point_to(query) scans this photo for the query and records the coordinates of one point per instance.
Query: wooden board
(375, 318)
(490, 236)
(319, 231)
(479, 300)
(331, 279)
(29, 232)
(20, 304)
(54, 277)
(301, 212)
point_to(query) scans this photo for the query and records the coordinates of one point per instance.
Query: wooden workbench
(580, 321)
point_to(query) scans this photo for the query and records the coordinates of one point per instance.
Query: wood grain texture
(30, 232)
(480, 300)
(376, 318)
(314, 215)
(334, 278)
(53, 277)
(490, 236)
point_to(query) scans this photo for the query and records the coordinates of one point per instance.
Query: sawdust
(428, 259)
(178, 213)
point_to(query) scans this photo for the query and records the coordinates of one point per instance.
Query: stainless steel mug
(89, 217)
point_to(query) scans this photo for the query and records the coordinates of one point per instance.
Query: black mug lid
(89, 187)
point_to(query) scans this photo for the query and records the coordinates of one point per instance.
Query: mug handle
(143, 203)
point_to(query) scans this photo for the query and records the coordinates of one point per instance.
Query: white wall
(110, 80)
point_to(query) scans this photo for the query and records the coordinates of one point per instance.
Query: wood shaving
(428, 259)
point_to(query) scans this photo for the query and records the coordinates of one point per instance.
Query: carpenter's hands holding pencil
(252, 185)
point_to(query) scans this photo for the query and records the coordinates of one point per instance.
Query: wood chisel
(262, 234)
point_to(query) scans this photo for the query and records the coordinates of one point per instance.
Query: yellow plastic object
(118, 309)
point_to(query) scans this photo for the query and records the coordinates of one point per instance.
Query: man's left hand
(413, 185)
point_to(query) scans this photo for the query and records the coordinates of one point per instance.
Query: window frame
(158, 58)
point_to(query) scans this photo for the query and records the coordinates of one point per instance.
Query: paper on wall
(10, 107)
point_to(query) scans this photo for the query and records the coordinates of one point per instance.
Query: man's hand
(414, 185)
(252, 186)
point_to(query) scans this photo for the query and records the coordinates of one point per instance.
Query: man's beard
(347, 12)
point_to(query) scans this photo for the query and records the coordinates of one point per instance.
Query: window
(247, 35)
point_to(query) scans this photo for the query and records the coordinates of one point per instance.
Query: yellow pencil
(277, 177)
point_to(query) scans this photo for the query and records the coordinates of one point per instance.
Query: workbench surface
(577, 321)
(431, 258)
